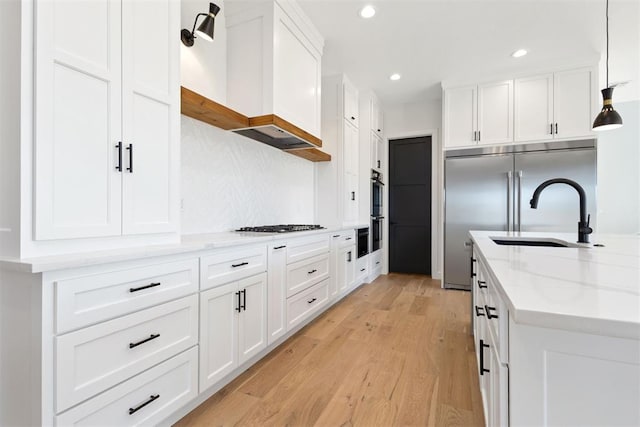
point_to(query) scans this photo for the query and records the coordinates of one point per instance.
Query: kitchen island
(557, 329)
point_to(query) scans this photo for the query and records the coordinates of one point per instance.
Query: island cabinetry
(490, 339)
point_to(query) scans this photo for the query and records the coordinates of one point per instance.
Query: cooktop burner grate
(282, 228)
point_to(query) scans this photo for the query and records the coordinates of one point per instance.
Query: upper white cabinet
(554, 105)
(377, 152)
(274, 62)
(107, 118)
(479, 114)
(377, 118)
(351, 194)
(350, 100)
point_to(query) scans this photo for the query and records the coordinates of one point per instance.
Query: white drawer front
(166, 388)
(347, 238)
(305, 273)
(362, 266)
(93, 359)
(306, 303)
(228, 266)
(307, 247)
(376, 259)
(86, 300)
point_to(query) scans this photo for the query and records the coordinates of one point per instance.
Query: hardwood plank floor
(395, 352)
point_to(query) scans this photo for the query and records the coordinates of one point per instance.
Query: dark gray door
(410, 205)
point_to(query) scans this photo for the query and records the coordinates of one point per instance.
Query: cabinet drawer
(228, 266)
(362, 266)
(376, 259)
(174, 382)
(347, 238)
(307, 247)
(93, 359)
(495, 312)
(306, 303)
(86, 300)
(303, 274)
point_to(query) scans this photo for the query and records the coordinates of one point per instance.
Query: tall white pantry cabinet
(99, 104)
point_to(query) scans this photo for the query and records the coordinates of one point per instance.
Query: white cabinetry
(107, 118)
(377, 152)
(274, 62)
(377, 118)
(479, 114)
(554, 105)
(351, 194)
(276, 291)
(233, 326)
(346, 268)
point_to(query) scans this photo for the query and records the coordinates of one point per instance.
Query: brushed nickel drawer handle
(151, 337)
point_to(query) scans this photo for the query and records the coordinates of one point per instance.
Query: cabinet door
(346, 268)
(380, 121)
(350, 178)
(380, 153)
(350, 107)
(573, 99)
(460, 116)
(78, 126)
(218, 333)
(297, 75)
(373, 143)
(495, 112)
(534, 108)
(277, 282)
(150, 111)
(252, 322)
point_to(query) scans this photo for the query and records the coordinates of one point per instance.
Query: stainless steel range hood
(277, 132)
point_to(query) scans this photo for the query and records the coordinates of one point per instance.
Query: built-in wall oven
(363, 241)
(377, 217)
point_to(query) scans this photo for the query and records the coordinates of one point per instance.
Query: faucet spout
(583, 225)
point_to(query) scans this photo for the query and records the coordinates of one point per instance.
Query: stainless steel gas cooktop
(282, 228)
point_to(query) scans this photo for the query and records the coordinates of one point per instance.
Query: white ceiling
(428, 41)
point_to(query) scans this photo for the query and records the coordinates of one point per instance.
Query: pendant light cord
(607, 15)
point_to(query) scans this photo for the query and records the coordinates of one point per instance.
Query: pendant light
(608, 117)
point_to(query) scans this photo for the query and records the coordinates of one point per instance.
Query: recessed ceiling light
(395, 76)
(367, 11)
(519, 53)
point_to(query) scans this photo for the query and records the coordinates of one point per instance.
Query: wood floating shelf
(198, 107)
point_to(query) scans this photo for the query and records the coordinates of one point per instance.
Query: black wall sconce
(205, 30)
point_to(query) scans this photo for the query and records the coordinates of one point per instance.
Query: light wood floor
(396, 352)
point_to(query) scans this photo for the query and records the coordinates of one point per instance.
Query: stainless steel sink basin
(514, 242)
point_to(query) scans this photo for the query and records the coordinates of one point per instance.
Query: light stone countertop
(189, 243)
(593, 290)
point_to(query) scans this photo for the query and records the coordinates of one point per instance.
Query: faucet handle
(584, 228)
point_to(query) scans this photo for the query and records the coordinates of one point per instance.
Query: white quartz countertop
(589, 289)
(189, 243)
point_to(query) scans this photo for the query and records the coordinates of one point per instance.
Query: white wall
(229, 181)
(619, 173)
(9, 127)
(413, 117)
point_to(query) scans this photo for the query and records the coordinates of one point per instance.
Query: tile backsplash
(229, 181)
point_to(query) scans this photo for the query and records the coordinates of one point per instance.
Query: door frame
(437, 193)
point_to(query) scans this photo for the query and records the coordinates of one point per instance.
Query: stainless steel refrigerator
(489, 188)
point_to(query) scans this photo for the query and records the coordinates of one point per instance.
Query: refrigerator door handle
(509, 201)
(519, 201)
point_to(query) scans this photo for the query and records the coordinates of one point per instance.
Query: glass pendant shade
(608, 117)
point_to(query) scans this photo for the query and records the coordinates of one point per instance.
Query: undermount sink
(535, 241)
(546, 243)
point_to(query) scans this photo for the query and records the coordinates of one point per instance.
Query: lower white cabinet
(304, 304)
(146, 399)
(346, 268)
(233, 326)
(276, 291)
(93, 359)
(362, 270)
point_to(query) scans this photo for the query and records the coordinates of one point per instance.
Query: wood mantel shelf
(198, 107)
